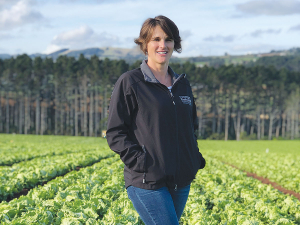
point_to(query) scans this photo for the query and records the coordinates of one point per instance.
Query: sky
(207, 28)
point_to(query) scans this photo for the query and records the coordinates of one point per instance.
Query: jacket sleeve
(196, 127)
(121, 109)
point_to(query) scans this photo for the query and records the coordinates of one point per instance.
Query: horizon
(235, 27)
(177, 56)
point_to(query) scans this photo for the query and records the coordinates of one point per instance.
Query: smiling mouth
(162, 53)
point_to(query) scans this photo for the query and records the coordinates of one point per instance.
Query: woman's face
(160, 47)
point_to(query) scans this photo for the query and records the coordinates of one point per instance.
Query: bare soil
(17, 195)
(267, 181)
(26, 190)
(255, 176)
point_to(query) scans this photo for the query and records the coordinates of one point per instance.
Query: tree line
(290, 62)
(71, 97)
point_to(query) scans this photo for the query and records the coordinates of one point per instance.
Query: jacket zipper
(172, 98)
(145, 158)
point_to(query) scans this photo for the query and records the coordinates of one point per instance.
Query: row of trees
(291, 62)
(71, 97)
(66, 97)
(237, 102)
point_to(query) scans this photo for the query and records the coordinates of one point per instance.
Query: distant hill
(285, 58)
(5, 56)
(289, 59)
(56, 54)
(130, 55)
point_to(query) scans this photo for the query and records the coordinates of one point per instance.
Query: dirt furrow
(265, 180)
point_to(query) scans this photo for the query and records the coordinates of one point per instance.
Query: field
(77, 180)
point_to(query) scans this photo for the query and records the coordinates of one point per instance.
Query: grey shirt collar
(149, 76)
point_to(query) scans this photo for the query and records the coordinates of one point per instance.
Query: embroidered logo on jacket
(186, 100)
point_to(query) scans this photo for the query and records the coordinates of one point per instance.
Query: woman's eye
(169, 39)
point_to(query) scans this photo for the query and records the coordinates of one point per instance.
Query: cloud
(95, 1)
(259, 48)
(52, 48)
(185, 34)
(4, 36)
(18, 15)
(270, 8)
(4, 3)
(231, 38)
(72, 37)
(295, 28)
(259, 33)
(82, 37)
(220, 38)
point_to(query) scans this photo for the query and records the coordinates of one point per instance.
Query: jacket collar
(149, 76)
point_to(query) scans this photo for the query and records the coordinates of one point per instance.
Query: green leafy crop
(95, 194)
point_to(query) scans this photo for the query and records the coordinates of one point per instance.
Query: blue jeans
(161, 207)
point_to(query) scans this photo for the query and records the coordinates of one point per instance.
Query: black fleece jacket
(153, 130)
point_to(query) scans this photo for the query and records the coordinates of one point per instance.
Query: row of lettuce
(222, 194)
(16, 151)
(28, 174)
(92, 195)
(18, 148)
(282, 168)
(62, 193)
(95, 194)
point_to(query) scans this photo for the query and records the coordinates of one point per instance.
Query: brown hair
(167, 25)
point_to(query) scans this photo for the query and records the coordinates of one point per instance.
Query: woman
(151, 124)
